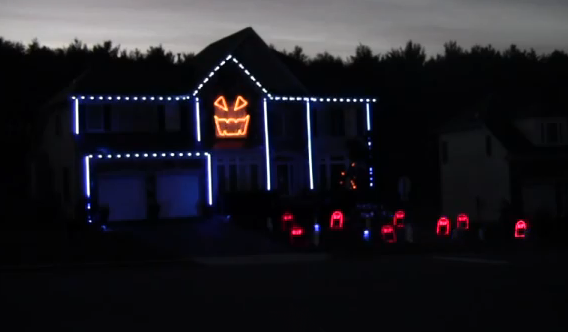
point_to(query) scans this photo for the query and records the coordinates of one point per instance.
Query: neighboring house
(519, 158)
(238, 121)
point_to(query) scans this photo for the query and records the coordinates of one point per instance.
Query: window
(107, 117)
(361, 117)
(488, 147)
(65, 183)
(444, 152)
(95, 118)
(57, 125)
(242, 178)
(161, 118)
(233, 178)
(551, 133)
(172, 117)
(221, 178)
(254, 177)
(314, 122)
(337, 122)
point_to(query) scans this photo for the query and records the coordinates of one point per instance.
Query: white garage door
(125, 195)
(178, 194)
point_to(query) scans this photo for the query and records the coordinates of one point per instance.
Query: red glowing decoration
(388, 234)
(398, 219)
(286, 218)
(297, 231)
(231, 124)
(443, 227)
(521, 228)
(463, 221)
(336, 220)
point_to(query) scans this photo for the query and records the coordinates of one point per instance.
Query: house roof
(496, 113)
(249, 49)
(134, 78)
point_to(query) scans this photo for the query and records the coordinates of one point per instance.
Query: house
(507, 150)
(237, 121)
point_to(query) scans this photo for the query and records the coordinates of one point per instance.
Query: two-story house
(506, 151)
(237, 121)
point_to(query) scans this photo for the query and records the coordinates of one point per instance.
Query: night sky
(337, 26)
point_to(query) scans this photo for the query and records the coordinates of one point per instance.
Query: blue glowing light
(317, 228)
(366, 234)
(266, 145)
(309, 124)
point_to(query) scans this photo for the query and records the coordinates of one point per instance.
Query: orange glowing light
(231, 124)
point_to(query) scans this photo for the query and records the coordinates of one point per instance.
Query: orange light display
(231, 123)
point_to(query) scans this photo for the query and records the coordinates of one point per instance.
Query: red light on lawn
(463, 221)
(520, 229)
(336, 220)
(286, 217)
(443, 227)
(388, 234)
(398, 219)
(297, 231)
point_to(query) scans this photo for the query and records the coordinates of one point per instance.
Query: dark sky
(337, 26)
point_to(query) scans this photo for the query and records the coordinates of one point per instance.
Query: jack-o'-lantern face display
(231, 122)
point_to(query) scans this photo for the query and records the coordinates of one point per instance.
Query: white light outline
(198, 119)
(266, 145)
(87, 176)
(309, 125)
(209, 179)
(176, 154)
(133, 98)
(76, 115)
(240, 65)
(368, 117)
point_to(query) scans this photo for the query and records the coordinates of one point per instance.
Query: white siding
(472, 181)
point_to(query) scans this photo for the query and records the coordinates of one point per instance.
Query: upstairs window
(95, 118)
(337, 117)
(551, 133)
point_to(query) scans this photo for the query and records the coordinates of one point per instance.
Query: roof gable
(250, 53)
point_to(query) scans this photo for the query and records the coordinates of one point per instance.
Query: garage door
(125, 195)
(178, 194)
